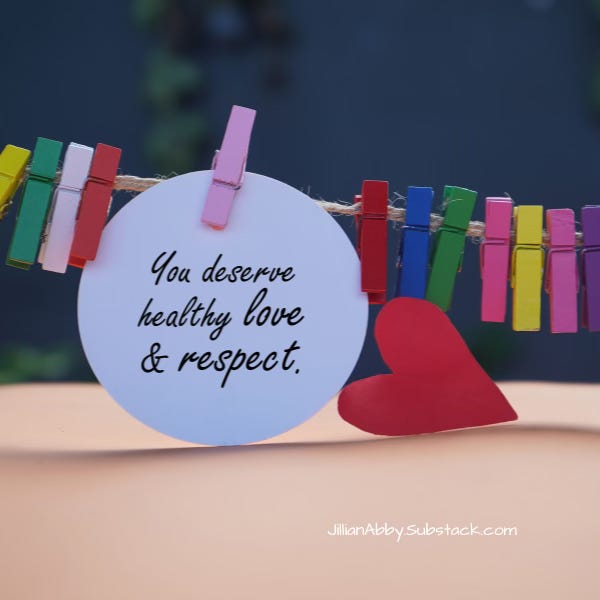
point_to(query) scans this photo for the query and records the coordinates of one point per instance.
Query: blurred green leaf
(26, 363)
(149, 13)
(170, 80)
(493, 347)
(175, 140)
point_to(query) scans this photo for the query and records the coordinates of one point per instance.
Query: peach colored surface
(96, 506)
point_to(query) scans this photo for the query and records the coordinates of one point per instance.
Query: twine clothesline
(131, 183)
(475, 231)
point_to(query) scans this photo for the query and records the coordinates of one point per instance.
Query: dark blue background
(489, 95)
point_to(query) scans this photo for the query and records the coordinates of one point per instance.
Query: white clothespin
(56, 244)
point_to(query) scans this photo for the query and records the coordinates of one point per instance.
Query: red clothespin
(495, 258)
(229, 164)
(561, 281)
(95, 204)
(372, 239)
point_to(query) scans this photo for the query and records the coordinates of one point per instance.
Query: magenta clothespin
(561, 281)
(495, 258)
(229, 164)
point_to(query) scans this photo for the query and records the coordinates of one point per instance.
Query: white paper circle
(271, 225)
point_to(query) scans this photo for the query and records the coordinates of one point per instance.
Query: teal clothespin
(35, 203)
(449, 245)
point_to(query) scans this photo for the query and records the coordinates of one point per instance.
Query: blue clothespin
(413, 256)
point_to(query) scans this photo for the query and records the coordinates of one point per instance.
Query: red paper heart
(436, 383)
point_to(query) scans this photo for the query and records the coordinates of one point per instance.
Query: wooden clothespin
(56, 248)
(561, 281)
(13, 161)
(35, 203)
(372, 239)
(229, 165)
(413, 255)
(527, 267)
(94, 205)
(449, 245)
(590, 268)
(494, 257)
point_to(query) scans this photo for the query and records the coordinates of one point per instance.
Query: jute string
(475, 231)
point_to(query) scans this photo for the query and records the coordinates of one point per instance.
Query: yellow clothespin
(13, 161)
(527, 268)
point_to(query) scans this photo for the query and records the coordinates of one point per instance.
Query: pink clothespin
(495, 258)
(561, 281)
(229, 164)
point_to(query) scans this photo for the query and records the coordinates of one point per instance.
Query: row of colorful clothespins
(67, 220)
(57, 224)
(428, 268)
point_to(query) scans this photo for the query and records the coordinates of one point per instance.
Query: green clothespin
(35, 203)
(449, 245)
